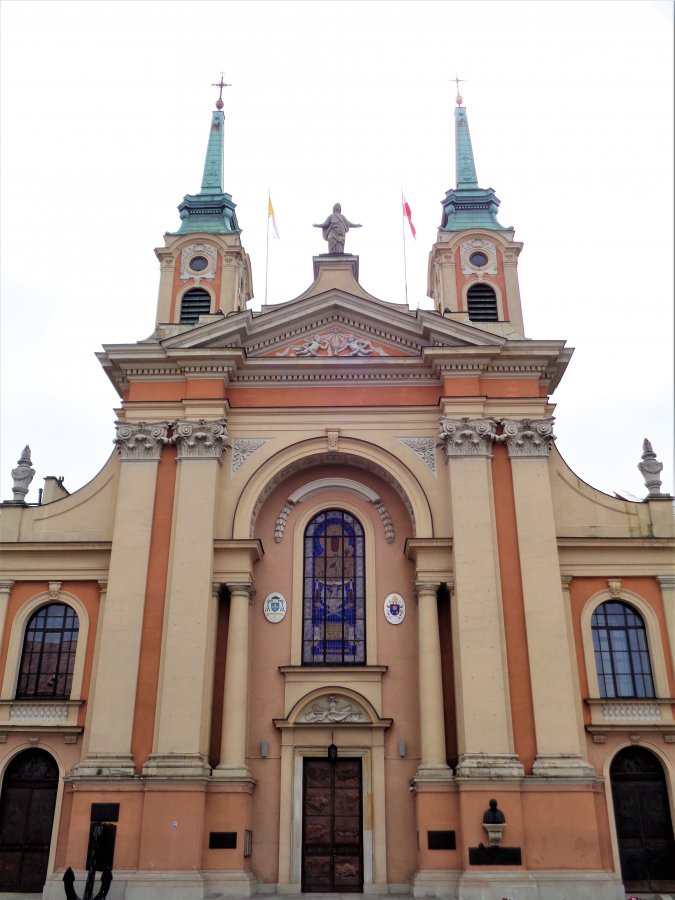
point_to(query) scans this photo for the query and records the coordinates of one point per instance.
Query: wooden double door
(27, 805)
(643, 823)
(332, 828)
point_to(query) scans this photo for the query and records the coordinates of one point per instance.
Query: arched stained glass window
(621, 652)
(48, 656)
(334, 626)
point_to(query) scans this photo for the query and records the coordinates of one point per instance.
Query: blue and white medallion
(394, 609)
(274, 607)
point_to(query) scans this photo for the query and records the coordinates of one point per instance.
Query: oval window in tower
(478, 259)
(198, 263)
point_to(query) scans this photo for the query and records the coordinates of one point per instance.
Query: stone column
(235, 698)
(109, 733)
(485, 736)
(432, 719)
(186, 675)
(559, 751)
(667, 583)
(5, 590)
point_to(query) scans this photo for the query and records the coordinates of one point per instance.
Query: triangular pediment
(334, 325)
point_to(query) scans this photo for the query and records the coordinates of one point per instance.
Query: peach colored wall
(271, 647)
(163, 847)
(128, 826)
(438, 811)
(229, 811)
(561, 829)
(520, 687)
(153, 613)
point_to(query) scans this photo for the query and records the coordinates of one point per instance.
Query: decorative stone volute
(141, 440)
(467, 437)
(527, 437)
(23, 474)
(650, 469)
(201, 439)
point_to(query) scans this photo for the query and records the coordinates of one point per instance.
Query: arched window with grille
(621, 651)
(334, 625)
(48, 654)
(195, 303)
(482, 303)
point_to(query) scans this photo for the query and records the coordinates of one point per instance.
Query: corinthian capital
(467, 437)
(141, 440)
(528, 437)
(200, 439)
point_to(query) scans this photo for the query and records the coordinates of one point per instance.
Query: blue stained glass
(334, 588)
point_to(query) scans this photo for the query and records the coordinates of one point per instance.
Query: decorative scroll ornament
(650, 468)
(23, 474)
(280, 524)
(467, 437)
(200, 439)
(424, 447)
(528, 437)
(614, 588)
(201, 249)
(383, 512)
(54, 589)
(242, 448)
(141, 440)
(488, 248)
(333, 709)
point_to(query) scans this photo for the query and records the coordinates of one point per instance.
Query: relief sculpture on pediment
(333, 343)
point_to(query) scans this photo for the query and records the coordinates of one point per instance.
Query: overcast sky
(106, 109)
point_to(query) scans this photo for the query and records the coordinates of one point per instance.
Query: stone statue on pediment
(334, 230)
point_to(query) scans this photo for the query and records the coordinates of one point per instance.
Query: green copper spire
(468, 206)
(211, 210)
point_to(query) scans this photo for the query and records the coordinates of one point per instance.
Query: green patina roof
(211, 210)
(468, 206)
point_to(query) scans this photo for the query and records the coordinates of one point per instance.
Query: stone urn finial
(23, 474)
(650, 468)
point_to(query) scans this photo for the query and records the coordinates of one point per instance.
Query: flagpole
(267, 245)
(405, 264)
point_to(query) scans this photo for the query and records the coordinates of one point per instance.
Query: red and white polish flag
(408, 214)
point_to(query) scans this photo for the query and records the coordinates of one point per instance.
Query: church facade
(334, 593)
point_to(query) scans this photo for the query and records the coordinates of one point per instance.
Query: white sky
(106, 109)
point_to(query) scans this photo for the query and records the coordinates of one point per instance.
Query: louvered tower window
(482, 302)
(195, 303)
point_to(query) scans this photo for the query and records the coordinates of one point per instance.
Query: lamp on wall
(332, 749)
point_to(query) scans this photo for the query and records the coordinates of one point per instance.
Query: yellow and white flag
(270, 215)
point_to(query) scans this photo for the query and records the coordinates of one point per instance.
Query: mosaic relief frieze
(388, 525)
(201, 439)
(425, 448)
(331, 343)
(333, 709)
(242, 448)
(141, 440)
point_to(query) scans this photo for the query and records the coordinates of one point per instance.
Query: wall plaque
(394, 609)
(274, 607)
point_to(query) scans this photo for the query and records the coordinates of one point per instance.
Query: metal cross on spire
(457, 81)
(221, 84)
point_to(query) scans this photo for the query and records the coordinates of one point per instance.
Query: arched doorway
(643, 822)
(26, 819)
